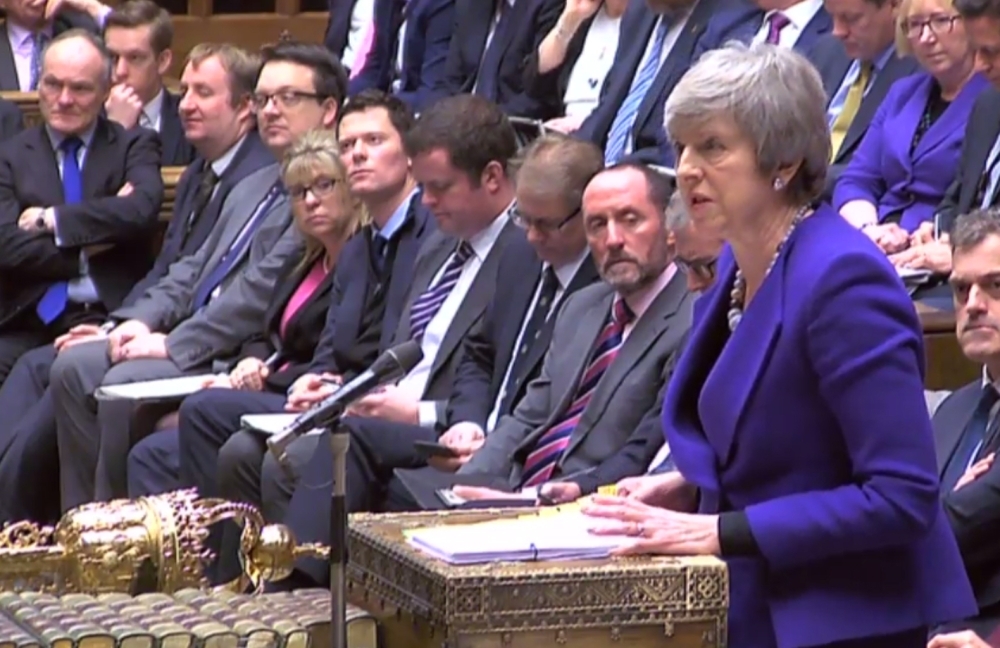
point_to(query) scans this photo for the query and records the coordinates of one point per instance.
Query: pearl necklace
(737, 296)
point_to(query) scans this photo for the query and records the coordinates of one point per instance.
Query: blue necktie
(38, 43)
(971, 440)
(489, 68)
(621, 127)
(235, 252)
(53, 302)
(430, 301)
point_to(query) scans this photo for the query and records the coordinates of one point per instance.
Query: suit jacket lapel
(953, 119)
(290, 278)
(100, 158)
(423, 275)
(480, 28)
(410, 240)
(171, 132)
(736, 371)
(985, 130)
(475, 302)
(892, 71)
(321, 292)
(585, 275)
(645, 334)
(676, 62)
(8, 70)
(49, 168)
(950, 420)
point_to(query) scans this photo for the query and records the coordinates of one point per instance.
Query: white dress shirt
(22, 47)
(599, 46)
(152, 113)
(414, 383)
(362, 17)
(799, 15)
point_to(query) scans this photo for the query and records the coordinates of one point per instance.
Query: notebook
(165, 389)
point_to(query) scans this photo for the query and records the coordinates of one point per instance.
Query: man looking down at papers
(613, 349)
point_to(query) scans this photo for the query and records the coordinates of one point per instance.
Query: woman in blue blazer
(797, 409)
(908, 156)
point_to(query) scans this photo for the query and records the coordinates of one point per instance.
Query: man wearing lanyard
(965, 424)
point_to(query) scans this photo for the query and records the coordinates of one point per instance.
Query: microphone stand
(340, 441)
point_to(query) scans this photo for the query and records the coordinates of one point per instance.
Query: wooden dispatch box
(634, 602)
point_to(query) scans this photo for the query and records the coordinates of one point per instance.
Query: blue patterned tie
(38, 42)
(970, 442)
(541, 462)
(621, 127)
(53, 302)
(203, 293)
(430, 301)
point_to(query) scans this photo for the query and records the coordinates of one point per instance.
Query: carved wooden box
(634, 602)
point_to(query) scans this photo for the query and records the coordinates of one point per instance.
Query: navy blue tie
(489, 68)
(233, 255)
(53, 302)
(971, 440)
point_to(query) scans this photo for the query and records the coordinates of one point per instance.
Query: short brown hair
(973, 228)
(241, 66)
(140, 13)
(560, 166)
(473, 130)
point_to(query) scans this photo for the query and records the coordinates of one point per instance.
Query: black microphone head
(398, 360)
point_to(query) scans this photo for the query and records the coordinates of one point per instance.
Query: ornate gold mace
(151, 544)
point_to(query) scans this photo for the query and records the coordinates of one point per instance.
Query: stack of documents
(913, 278)
(165, 389)
(562, 536)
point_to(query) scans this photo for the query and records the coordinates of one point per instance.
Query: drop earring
(778, 184)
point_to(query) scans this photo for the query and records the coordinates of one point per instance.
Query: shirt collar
(987, 381)
(883, 58)
(86, 136)
(21, 37)
(566, 272)
(397, 219)
(223, 161)
(640, 302)
(799, 14)
(154, 108)
(482, 242)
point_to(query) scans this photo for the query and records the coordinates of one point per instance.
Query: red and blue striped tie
(541, 462)
(430, 301)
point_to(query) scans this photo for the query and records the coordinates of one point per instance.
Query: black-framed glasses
(701, 268)
(524, 221)
(320, 188)
(282, 99)
(938, 24)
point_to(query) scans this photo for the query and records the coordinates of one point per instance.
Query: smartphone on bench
(428, 449)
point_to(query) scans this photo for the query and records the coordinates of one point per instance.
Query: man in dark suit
(462, 148)
(412, 69)
(662, 39)
(792, 23)
(79, 196)
(30, 25)
(348, 32)
(212, 301)
(139, 34)
(28, 449)
(966, 428)
(369, 290)
(858, 64)
(490, 43)
(613, 349)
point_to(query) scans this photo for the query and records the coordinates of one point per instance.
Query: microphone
(387, 368)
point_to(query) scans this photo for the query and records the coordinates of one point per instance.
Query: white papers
(270, 424)
(154, 390)
(913, 275)
(561, 536)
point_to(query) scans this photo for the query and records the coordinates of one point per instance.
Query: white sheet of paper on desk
(269, 424)
(913, 274)
(154, 390)
(564, 536)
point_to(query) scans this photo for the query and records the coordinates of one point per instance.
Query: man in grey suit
(209, 302)
(613, 349)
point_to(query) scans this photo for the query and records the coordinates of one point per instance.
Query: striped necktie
(430, 301)
(621, 127)
(541, 462)
(38, 43)
(852, 103)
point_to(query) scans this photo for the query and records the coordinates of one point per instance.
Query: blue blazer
(787, 421)
(429, 27)
(885, 173)
(820, 25)
(340, 349)
(711, 24)
(338, 28)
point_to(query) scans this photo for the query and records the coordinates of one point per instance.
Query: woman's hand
(666, 490)
(654, 530)
(249, 374)
(934, 256)
(890, 237)
(964, 639)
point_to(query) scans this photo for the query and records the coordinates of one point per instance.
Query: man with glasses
(697, 248)
(211, 301)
